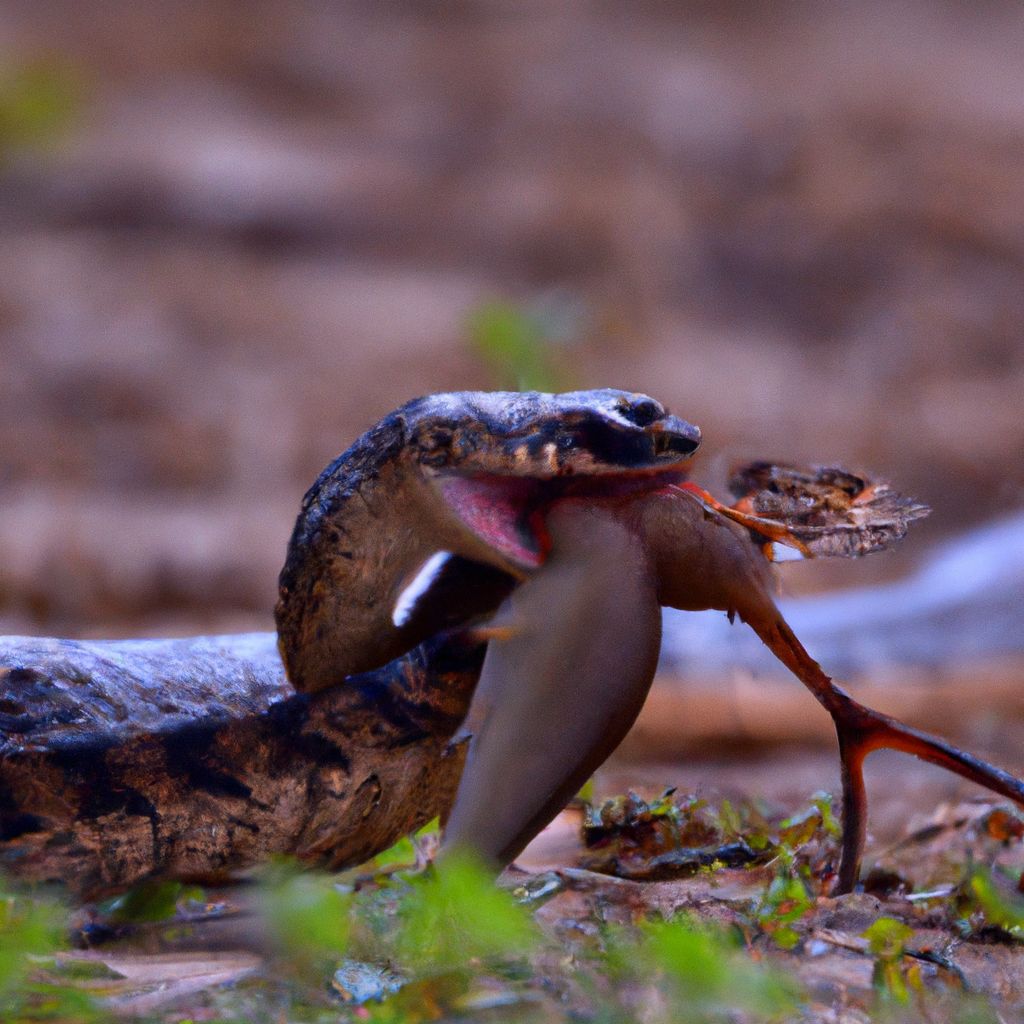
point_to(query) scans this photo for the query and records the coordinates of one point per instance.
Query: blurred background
(232, 236)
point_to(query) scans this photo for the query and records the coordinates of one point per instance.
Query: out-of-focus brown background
(232, 236)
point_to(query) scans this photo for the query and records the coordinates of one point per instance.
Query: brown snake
(527, 541)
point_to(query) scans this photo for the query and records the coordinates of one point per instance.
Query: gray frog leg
(563, 684)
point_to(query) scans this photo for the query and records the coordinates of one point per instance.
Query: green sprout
(32, 931)
(887, 940)
(38, 101)
(524, 346)
(455, 915)
(701, 971)
(983, 902)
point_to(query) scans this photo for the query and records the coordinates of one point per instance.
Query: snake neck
(366, 527)
(351, 536)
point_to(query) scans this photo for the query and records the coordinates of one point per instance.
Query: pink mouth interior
(507, 513)
(497, 510)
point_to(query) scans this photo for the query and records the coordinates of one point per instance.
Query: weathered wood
(194, 758)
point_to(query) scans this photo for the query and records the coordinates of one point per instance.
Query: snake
(469, 621)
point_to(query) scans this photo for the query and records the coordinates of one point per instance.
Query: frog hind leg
(861, 730)
(707, 560)
(563, 680)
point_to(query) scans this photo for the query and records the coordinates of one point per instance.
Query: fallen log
(194, 759)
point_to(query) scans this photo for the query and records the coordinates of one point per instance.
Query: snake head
(543, 436)
(497, 458)
(431, 517)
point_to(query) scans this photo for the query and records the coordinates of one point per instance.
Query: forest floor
(641, 920)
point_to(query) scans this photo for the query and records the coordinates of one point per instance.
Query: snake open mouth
(499, 475)
(507, 513)
(503, 512)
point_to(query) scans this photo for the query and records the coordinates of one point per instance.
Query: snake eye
(643, 411)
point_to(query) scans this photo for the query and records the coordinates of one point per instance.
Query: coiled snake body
(470, 613)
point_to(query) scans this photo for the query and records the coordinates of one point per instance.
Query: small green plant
(307, 913)
(32, 930)
(454, 915)
(408, 851)
(523, 347)
(983, 902)
(887, 940)
(403, 943)
(149, 901)
(786, 900)
(38, 100)
(701, 972)
(29, 929)
(814, 821)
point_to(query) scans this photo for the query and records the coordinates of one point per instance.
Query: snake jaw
(499, 511)
(674, 438)
(499, 461)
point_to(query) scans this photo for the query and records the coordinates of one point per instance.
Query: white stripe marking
(421, 583)
(614, 414)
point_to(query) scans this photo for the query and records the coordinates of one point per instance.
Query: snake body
(122, 761)
(469, 619)
(127, 760)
